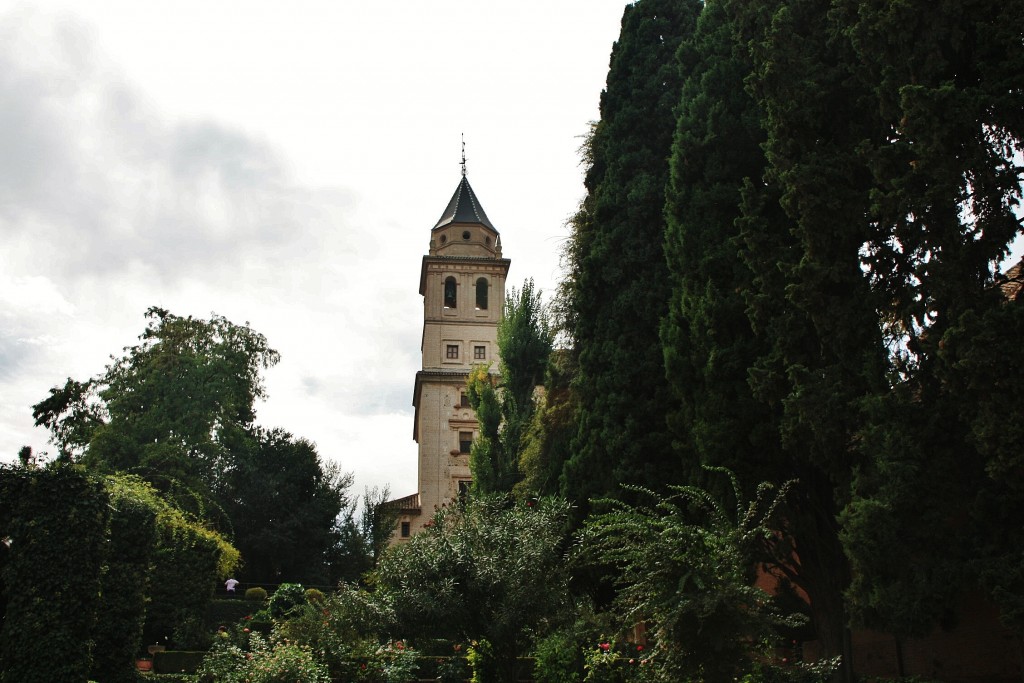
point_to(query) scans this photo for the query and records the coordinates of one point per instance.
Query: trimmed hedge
(177, 661)
(228, 612)
(57, 522)
(164, 678)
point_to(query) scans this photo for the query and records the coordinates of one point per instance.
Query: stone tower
(462, 281)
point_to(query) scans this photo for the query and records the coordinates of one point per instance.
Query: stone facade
(462, 281)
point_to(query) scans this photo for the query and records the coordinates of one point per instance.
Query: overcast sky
(280, 164)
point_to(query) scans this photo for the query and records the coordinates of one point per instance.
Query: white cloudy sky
(281, 164)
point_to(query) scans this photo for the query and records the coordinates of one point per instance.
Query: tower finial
(463, 135)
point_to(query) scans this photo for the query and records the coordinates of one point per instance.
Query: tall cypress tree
(618, 288)
(764, 386)
(709, 342)
(946, 190)
(811, 298)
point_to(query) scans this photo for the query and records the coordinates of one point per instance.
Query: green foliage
(287, 597)
(256, 594)
(684, 567)
(284, 503)
(228, 611)
(548, 437)
(56, 520)
(488, 570)
(166, 407)
(617, 288)
(525, 339)
(557, 659)
(607, 663)
(821, 671)
(482, 663)
(178, 410)
(131, 539)
(189, 561)
(344, 631)
(337, 639)
(274, 661)
(314, 596)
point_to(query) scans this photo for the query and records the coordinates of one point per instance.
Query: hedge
(56, 520)
(177, 661)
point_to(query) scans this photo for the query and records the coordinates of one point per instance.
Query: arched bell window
(481, 294)
(449, 292)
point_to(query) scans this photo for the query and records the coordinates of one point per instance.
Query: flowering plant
(607, 663)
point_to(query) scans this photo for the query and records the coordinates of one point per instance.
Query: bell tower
(462, 281)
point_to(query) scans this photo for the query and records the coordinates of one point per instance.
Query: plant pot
(144, 664)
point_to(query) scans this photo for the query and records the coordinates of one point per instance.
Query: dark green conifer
(618, 279)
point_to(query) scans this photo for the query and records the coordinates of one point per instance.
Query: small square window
(452, 351)
(405, 530)
(465, 442)
(479, 353)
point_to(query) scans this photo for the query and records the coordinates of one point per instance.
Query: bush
(256, 594)
(287, 597)
(557, 660)
(273, 661)
(314, 596)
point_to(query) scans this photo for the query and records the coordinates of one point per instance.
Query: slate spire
(464, 207)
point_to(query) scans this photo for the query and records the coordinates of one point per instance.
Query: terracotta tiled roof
(1012, 281)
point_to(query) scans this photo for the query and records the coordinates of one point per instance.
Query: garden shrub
(262, 661)
(314, 596)
(256, 594)
(285, 598)
(56, 519)
(557, 659)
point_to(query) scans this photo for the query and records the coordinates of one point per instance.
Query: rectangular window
(405, 529)
(464, 400)
(452, 351)
(479, 353)
(465, 442)
(464, 485)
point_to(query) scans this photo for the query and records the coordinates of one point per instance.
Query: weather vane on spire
(463, 135)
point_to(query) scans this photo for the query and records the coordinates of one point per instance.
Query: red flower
(248, 617)
(639, 648)
(604, 646)
(245, 630)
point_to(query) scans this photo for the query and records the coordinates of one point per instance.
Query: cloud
(108, 206)
(86, 162)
